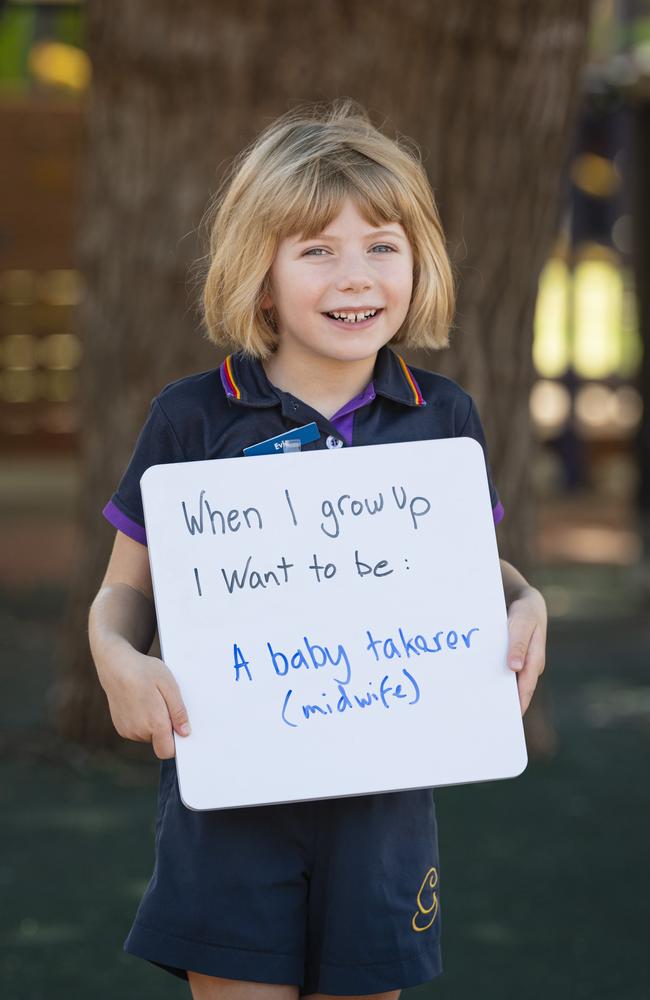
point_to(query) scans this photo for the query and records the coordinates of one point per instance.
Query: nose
(354, 274)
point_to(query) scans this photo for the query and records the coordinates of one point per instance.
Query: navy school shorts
(338, 896)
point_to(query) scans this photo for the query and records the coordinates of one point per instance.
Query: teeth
(353, 317)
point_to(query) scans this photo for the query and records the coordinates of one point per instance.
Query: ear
(266, 301)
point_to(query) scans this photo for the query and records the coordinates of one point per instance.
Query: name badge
(297, 437)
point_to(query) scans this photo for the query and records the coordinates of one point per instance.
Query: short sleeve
(473, 428)
(157, 444)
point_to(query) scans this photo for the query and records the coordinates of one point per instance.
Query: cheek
(297, 301)
(403, 283)
(306, 291)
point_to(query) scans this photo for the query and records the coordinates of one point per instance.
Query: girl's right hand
(144, 700)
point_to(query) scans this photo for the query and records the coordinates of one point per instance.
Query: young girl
(326, 247)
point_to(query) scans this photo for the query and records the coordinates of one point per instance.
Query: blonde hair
(292, 180)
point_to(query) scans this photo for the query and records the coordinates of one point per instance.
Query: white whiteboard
(383, 669)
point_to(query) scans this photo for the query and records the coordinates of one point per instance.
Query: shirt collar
(394, 379)
(244, 380)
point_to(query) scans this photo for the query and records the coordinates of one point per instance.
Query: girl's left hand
(527, 621)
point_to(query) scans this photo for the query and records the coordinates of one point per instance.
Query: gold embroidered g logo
(426, 914)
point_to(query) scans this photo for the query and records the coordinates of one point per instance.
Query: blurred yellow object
(19, 351)
(60, 287)
(19, 386)
(59, 386)
(595, 175)
(550, 407)
(60, 351)
(550, 347)
(60, 65)
(595, 406)
(587, 318)
(598, 298)
(628, 408)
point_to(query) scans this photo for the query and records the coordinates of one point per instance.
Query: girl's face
(352, 268)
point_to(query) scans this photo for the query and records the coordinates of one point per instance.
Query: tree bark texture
(488, 90)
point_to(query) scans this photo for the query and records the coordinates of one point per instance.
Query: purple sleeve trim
(498, 513)
(124, 524)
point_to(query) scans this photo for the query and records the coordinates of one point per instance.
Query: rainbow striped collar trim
(243, 380)
(418, 398)
(228, 379)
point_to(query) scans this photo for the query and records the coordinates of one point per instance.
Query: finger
(533, 668)
(162, 740)
(526, 692)
(176, 709)
(535, 655)
(125, 732)
(520, 631)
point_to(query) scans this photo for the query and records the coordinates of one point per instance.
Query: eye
(318, 251)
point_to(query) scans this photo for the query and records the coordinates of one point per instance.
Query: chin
(354, 350)
(351, 354)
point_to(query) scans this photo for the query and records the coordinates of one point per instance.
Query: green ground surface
(545, 878)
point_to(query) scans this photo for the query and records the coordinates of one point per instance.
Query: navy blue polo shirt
(218, 413)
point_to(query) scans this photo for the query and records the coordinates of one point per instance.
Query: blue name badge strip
(275, 445)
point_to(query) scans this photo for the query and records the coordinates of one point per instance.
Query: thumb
(170, 691)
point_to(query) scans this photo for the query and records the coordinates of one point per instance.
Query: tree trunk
(488, 90)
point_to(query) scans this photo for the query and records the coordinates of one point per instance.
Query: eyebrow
(374, 233)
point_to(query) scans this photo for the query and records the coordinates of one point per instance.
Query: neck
(325, 386)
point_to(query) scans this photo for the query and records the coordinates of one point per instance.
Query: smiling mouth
(353, 319)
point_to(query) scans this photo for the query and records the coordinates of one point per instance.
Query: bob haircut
(291, 181)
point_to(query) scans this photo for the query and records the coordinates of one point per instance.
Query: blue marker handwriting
(336, 663)
(405, 645)
(311, 656)
(385, 693)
